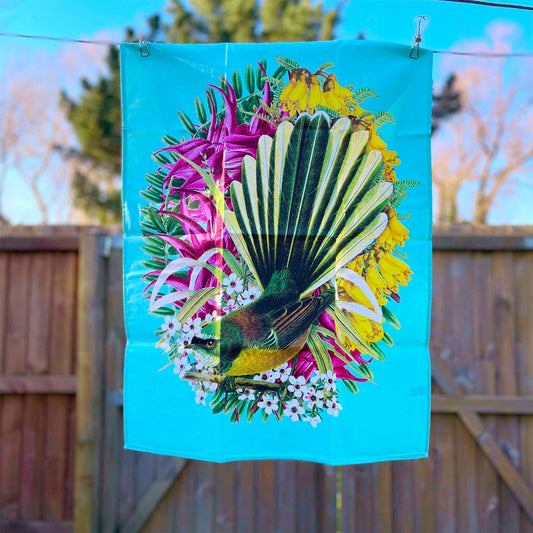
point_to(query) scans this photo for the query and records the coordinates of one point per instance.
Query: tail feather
(306, 202)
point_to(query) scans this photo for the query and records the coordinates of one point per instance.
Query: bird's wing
(292, 320)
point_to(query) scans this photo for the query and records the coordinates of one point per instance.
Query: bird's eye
(210, 343)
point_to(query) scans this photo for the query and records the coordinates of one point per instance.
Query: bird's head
(206, 344)
(217, 344)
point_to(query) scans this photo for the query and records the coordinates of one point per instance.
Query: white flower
(165, 346)
(268, 403)
(283, 372)
(246, 394)
(209, 387)
(200, 396)
(294, 410)
(249, 296)
(314, 397)
(170, 326)
(181, 366)
(230, 306)
(313, 420)
(297, 386)
(265, 376)
(192, 327)
(329, 378)
(232, 284)
(314, 378)
(210, 317)
(200, 367)
(333, 407)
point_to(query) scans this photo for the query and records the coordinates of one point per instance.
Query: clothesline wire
(491, 4)
(114, 43)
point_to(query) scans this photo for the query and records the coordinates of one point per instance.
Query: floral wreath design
(196, 273)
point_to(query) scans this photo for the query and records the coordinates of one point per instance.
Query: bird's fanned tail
(310, 202)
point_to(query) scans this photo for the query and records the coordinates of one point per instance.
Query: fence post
(90, 349)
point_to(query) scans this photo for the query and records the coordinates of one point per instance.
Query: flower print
(268, 403)
(282, 372)
(249, 296)
(377, 284)
(181, 366)
(232, 283)
(329, 380)
(230, 306)
(336, 97)
(294, 410)
(200, 397)
(297, 386)
(210, 317)
(170, 326)
(314, 397)
(165, 345)
(209, 387)
(265, 376)
(192, 327)
(302, 93)
(333, 407)
(395, 232)
(313, 420)
(246, 394)
(394, 271)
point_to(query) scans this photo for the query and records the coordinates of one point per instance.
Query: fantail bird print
(307, 205)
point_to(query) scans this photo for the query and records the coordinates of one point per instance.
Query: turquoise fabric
(388, 419)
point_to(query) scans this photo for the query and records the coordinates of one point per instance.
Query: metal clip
(421, 24)
(143, 48)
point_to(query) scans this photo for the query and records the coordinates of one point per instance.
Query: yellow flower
(394, 271)
(302, 92)
(368, 329)
(335, 96)
(377, 284)
(395, 233)
(389, 174)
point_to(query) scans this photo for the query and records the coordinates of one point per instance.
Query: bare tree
(488, 147)
(32, 126)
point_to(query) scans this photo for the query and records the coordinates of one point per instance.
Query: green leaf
(325, 66)
(331, 112)
(236, 83)
(162, 311)
(362, 94)
(231, 403)
(382, 118)
(251, 413)
(155, 179)
(351, 386)
(153, 251)
(287, 63)
(169, 140)
(160, 158)
(249, 79)
(151, 196)
(259, 78)
(187, 122)
(387, 339)
(211, 92)
(264, 415)
(155, 218)
(153, 265)
(280, 72)
(200, 110)
(389, 316)
(320, 353)
(196, 301)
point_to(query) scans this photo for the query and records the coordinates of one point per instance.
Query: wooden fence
(61, 315)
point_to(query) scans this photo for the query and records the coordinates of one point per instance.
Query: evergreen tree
(95, 115)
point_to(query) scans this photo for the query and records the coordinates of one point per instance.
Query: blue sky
(381, 20)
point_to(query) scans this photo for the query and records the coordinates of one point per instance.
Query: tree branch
(244, 383)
